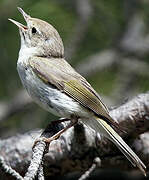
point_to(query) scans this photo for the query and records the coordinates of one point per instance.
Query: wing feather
(66, 79)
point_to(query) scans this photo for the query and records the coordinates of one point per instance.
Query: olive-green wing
(61, 75)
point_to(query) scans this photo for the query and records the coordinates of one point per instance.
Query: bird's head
(41, 37)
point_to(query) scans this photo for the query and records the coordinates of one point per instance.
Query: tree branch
(68, 153)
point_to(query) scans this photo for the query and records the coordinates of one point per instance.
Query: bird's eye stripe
(23, 36)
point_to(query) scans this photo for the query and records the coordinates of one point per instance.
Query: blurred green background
(106, 41)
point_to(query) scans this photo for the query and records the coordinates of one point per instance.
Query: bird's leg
(57, 135)
(48, 140)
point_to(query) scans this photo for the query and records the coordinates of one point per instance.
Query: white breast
(48, 97)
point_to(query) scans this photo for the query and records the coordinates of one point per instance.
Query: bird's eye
(34, 30)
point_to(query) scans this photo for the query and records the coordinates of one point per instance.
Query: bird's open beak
(21, 26)
(26, 17)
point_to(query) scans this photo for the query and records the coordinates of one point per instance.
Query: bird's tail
(102, 127)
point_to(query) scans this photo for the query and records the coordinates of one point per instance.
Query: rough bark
(77, 148)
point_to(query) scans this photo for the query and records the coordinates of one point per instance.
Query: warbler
(58, 88)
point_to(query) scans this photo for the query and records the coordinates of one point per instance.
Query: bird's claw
(42, 139)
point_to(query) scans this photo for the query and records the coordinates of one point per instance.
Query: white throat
(25, 53)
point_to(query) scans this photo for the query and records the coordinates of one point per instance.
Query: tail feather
(102, 127)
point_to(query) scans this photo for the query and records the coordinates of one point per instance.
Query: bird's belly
(49, 97)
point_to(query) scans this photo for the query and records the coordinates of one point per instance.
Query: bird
(58, 88)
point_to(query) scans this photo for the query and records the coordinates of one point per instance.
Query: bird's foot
(55, 136)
